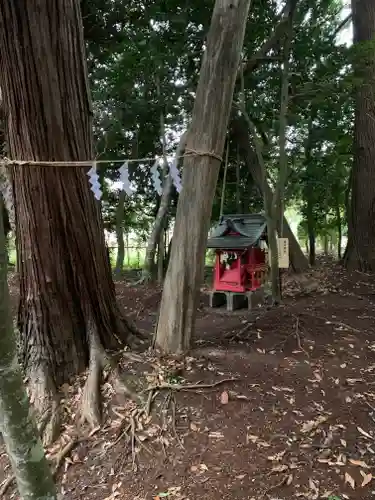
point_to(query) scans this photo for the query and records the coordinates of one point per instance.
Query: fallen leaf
(224, 398)
(289, 480)
(216, 435)
(348, 479)
(313, 424)
(194, 427)
(364, 433)
(359, 463)
(279, 468)
(366, 478)
(277, 457)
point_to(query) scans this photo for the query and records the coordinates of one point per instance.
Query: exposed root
(122, 387)
(91, 408)
(131, 424)
(64, 452)
(135, 332)
(46, 404)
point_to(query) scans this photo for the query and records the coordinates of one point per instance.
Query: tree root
(46, 404)
(130, 424)
(91, 408)
(91, 405)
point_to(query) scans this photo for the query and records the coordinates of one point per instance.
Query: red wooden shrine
(240, 262)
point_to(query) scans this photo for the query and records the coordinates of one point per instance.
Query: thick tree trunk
(206, 143)
(158, 227)
(120, 234)
(20, 434)
(241, 133)
(67, 297)
(360, 252)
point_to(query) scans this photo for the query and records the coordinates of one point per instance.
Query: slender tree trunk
(206, 143)
(67, 311)
(127, 249)
(360, 252)
(339, 230)
(120, 234)
(161, 252)
(241, 132)
(160, 217)
(311, 233)
(238, 183)
(223, 189)
(19, 431)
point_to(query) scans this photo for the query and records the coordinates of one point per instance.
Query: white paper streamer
(94, 181)
(124, 178)
(156, 177)
(175, 174)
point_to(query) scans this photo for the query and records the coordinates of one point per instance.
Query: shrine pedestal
(235, 300)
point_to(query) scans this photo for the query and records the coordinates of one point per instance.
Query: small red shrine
(240, 262)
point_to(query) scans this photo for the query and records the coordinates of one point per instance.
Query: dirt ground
(295, 419)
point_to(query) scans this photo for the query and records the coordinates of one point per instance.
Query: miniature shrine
(241, 263)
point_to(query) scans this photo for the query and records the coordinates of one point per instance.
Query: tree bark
(241, 132)
(160, 217)
(67, 297)
(206, 141)
(19, 431)
(360, 253)
(120, 234)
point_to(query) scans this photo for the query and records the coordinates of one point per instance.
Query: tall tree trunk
(160, 216)
(241, 133)
(20, 434)
(360, 252)
(67, 312)
(206, 143)
(120, 234)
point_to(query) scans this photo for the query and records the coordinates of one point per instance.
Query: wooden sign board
(283, 248)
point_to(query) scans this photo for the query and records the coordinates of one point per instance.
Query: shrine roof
(249, 227)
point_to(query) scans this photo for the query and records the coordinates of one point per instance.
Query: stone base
(236, 300)
(255, 298)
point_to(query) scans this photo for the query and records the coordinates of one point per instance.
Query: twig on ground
(133, 429)
(235, 335)
(332, 322)
(299, 338)
(173, 403)
(188, 387)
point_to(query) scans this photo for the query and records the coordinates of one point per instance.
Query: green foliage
(144, 60)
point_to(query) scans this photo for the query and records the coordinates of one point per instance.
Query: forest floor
(296, 420)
